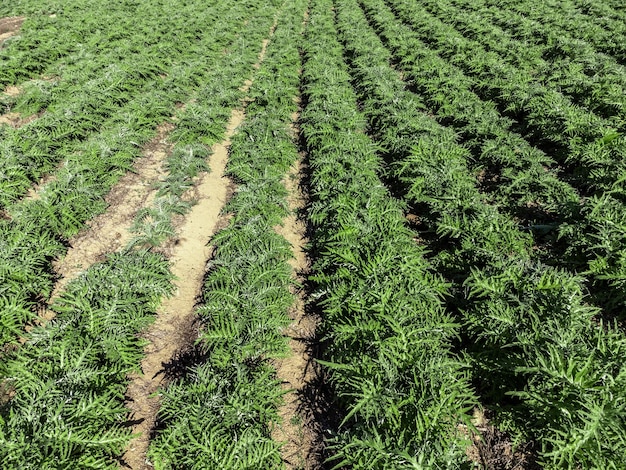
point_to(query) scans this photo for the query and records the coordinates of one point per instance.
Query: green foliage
(528, 325)
(388, 338)
(221, 413)
(216, 412)
(93, 163)
(69, 379)
(521, 171)
(570, 29)
(68, 411)
(539, 338)
(498, 124)
(548, 116)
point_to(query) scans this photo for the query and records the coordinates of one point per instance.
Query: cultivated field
(312, 234)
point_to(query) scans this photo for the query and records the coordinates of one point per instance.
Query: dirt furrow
(12, 91)
(16, 120)
(298, 430)
(110, 231)
(173, 328)
(10, 27)
(297, 371)
(11, 118)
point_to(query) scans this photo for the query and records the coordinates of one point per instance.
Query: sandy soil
(173, 328)
(10, 27)
(297, 371)
(110, 231)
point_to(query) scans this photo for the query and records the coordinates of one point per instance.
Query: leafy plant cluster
(497, 130)
(590, 147)
(67, 410)
(425, 165)
(529, 328)
(387, 335)
(49, 35)
(93, 87)
(200, 124)
(594, 233)
(595, 22)
(221, 413)
(519, 177)
(66, 385)
(610, 13)
(545, 115)
(37, 230)
(594, 79)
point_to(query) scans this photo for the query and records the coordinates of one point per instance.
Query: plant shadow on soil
(317, 403)
(179, 367)
(494, 450)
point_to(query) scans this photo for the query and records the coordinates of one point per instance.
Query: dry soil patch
(110, 231)
(16, 120)
(189, 253)
(297, 371)
(174, 324)
(12, 91)
(10, 27)
(10, 119)
(494, 449)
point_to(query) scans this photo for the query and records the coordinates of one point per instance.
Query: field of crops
(312, 234)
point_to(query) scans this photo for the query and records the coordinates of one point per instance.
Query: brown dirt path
(10, 27)
(12, 119)
(297, 371)
(110, 231)
(173, 327)
(12, 91)
(298, 430)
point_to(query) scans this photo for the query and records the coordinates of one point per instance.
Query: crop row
(52, 36)
(603, 13)
(516, 175)
(221, 413)
(590, 81)
(387, 336)
(526, 177)
(595, 22)
(592, 153)
(39, 228)
(63, 396)
(67, 410)
(88, 92)
(526, 325)
(568, 55)
(467, 229)
(545, 115)
(95, 88)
